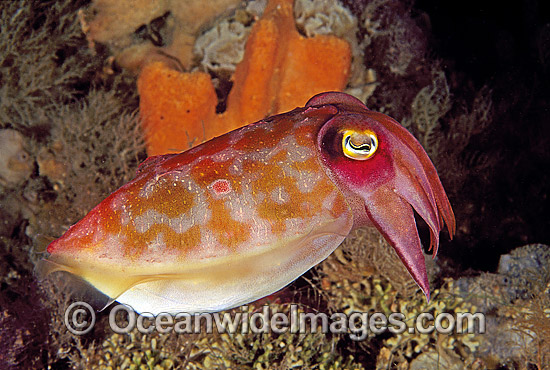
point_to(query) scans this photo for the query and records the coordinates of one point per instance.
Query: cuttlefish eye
(359, 145)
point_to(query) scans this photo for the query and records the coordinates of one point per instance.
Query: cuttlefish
(244, 214)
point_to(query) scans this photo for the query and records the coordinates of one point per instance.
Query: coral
(221, 48)
(82, 149)
(63, 347)
(514, 303)
(281, 70)
(531, 323)
(431, 104)
(223, 350)
(50, 167)
(442, 359)
(447, 127)
(284, 66)
(520, 330)
(404, 347)
(45, 69)
(152, 30)
(394, 47)
(328, 17)
(517, 329)
(325, 18)
(360, 276)
(363, 291)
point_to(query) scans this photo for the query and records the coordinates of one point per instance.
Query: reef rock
(152, 30)
(16, 165)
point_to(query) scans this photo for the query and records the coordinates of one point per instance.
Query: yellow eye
(359, 145)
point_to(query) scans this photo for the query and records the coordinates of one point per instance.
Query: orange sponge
(280, 70)
(176, 108)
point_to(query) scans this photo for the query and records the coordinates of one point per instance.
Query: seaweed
(445, 127)
(75, 117)
(42, 63)
(76, 113)
(84, 165)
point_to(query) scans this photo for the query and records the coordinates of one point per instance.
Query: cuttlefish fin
(78, 282)
(41, 242)
(151, 162)
(77, 288)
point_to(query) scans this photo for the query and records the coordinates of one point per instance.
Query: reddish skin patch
(221, 187)
(206, 172)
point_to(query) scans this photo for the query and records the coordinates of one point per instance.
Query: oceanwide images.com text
(80, 319)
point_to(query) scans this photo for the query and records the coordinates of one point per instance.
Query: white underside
(240, 282)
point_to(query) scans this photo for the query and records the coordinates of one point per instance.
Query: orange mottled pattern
(244, 190)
